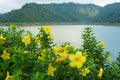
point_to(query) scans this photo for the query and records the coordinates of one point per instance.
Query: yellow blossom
(51, 36)
(84, 72)
(41, 58)
(66, 47)
(47, 29)
(77, 60)
(108, 59)
(2, 39)
(100, 73)
(63, 56)
(73, 46)
(12, 26)
(57, 49)
(8, 77)
(37, 39)
(50, 70)
(101, 44)
(53, 59)
(43, 51)
(5, 55)
(25, 52)
(26, 40)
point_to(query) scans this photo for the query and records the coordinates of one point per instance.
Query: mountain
(65, 12)
(29, 13)
(74, 12)
(109, 13)
(68, 12)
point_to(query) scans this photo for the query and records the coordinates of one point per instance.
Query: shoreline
(57, 23)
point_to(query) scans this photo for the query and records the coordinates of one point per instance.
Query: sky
(8, 5)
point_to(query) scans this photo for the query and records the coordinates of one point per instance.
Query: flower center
(77, 59)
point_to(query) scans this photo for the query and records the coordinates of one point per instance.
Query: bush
(24, 56)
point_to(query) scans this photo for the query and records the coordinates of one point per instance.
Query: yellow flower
(77, 60)
(5, 55)
(100, 73)
(51, 36)
(101, 44)
(50, 70)
(12, 26)
(25, 52)
(73, 46)
(2, 39)
(47, 29)
(84, 72)
(63, 56)
(8, 77)
(57, 49)
(108, 59)
(41, 58)
(53, 59)
(37, 39)
(66, 47)
(26, 40)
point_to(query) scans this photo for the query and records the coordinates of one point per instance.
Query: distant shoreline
(56, 23)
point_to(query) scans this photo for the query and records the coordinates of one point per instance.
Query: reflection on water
(72, 33)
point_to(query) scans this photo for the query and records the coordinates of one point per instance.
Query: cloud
(7, 5)
(104, 2)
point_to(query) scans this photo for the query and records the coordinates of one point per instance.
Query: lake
(72, 34)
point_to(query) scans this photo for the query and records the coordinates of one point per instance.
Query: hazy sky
(8, 5)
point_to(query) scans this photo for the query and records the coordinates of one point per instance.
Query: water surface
(72, 33)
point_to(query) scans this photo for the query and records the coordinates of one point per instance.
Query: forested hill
(65, 12)
(109, 13)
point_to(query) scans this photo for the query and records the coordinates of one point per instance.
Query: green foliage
(118, 59)
(45, 40)
(93, 48)
(24, 56)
